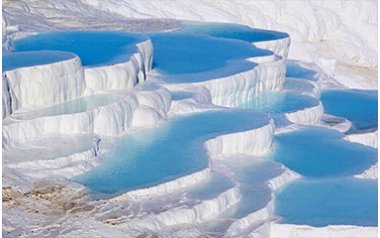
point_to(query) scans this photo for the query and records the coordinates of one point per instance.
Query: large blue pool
(343, 201)
(93, 47)
(157, 155)
(319, 152)
(358, 106)
(195, 58)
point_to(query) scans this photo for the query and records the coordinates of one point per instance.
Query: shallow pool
(280, 102)
(158, 155)
(74, 106)
(358, 106)
(343, 201)
(32, 58)
(196, 58)
(93, 47)
(295, 69)
(318, 152)
(301, 86)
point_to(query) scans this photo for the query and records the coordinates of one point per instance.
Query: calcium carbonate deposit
(189, 119)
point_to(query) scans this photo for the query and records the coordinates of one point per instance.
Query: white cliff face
(44, 85)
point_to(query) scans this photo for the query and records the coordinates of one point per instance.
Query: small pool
(158, 155)
(196, 58)
(280, 102)
(231, 31)
(318, 152)
(358, 106)
(294, 69)
(301, 86)
(32, 58)
(343, 201)
(94, 48)
(74, 106)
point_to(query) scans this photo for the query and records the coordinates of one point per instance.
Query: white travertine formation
(109, 120)
(307, 116)
(235, 89)
(44, 85)
(280, 46)
(368, 139)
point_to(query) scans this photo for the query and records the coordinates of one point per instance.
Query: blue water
(75, 106)
(295, 70)
(344, 201)
(231, 31)
(180, 95)
(94, 48)
(26, 59)
(300, 86)
(358, 106)
(280, 102)
(211, 187)
(158, 155)
(318, 152)
(201, 57)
